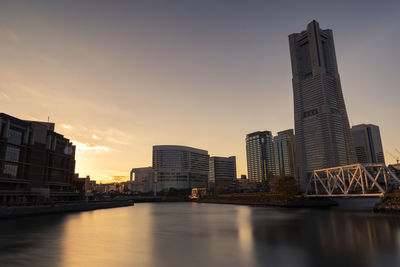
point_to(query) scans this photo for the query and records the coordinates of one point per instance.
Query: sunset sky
(118, 77)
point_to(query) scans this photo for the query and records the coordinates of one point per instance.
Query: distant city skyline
(117, 80)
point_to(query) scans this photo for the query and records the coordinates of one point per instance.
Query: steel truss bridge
(357, 180)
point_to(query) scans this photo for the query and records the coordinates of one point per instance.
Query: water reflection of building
(330, 238)
(36, 163)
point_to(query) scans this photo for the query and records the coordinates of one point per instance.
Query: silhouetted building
(222, 173)
(395, 168)
(180, 167)
(36, 163)
(323, 137)
(260, 156)
(243, 185)
(284, 153)
(367, 143)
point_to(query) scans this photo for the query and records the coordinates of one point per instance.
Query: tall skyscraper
(260, 156)
(323, 137)
(367, 143)
(284, 153)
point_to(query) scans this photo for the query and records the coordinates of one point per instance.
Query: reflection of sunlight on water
(108, 237)
(245, 234)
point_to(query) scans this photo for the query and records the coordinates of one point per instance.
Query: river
(193, 234)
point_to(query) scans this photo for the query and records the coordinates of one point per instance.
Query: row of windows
(14, 137)
(310, 113)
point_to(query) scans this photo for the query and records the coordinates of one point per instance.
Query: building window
(10, 170)
(12, 154)
(14, 137)
(310, 113)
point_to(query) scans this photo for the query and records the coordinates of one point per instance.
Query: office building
(222, 173)
(36, 163)
(142, 180)
(260, 157)
(322, 131)
(367, 143)
(284, 153)
(180, 167)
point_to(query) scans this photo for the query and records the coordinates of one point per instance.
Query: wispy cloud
(119, 178)
(11, 35)
(66, 126)
(4, 96)
(96, 137)
(118, 137)
(84, 147)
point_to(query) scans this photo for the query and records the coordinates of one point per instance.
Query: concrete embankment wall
(16, 211)
(269, 200)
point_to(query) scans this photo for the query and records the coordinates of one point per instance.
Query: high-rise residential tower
(367, 143)
(222, 173)
(323, 137)
(260, 156)
(284, 153)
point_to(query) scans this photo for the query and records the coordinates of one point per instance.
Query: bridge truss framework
(357, 180)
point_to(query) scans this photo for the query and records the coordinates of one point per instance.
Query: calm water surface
(191, 234)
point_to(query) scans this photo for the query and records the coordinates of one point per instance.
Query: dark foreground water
(191, 234)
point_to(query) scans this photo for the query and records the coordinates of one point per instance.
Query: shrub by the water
(284, 185)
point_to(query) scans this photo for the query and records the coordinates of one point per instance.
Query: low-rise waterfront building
(243, 185)
(179, 167)
(142, 180)
(36, 163)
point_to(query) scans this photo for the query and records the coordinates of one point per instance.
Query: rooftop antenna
(48, 118)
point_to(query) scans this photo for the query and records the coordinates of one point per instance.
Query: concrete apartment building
(36, 163)
(180, 167)
(260, 157)
(367, 143)
(222, 173)
(322, 131)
